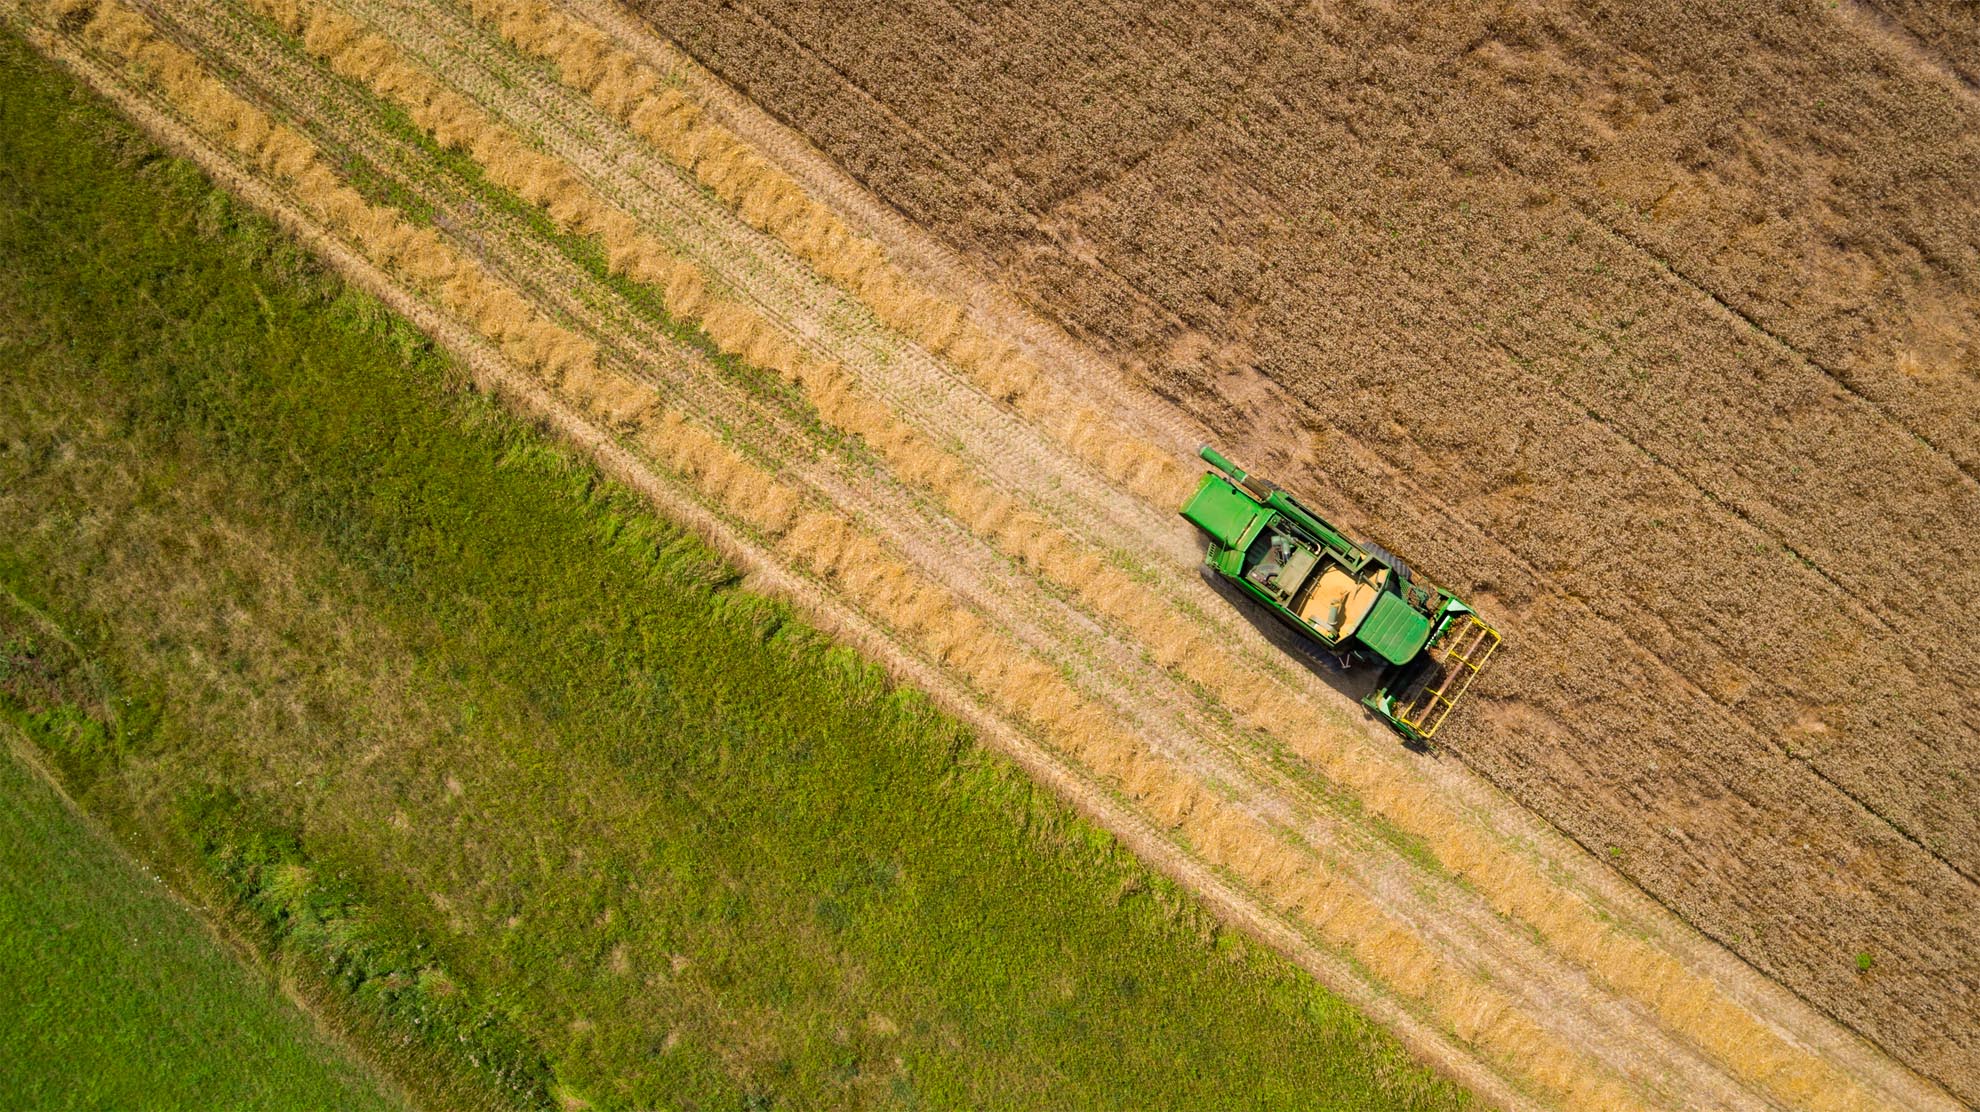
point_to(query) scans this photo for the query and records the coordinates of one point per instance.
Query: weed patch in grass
(115, 994)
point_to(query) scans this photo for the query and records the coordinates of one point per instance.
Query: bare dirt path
(1659, 1058)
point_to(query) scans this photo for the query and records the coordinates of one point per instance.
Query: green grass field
(512, 778)
(114, 995)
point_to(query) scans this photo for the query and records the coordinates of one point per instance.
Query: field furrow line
(483, 357)
(1872, 21)
(1050, 563)
(1763, 529)
(1225, 833)
(554, 281)
(900, 520)
(606, 341)
(817, 315)
(1592, 636)
(1563, 676)
(1930, 615)
(1773, 743)
(1852, 582)
(1700, 289)
(1850, 600)
(587, 60)
(1960, 706)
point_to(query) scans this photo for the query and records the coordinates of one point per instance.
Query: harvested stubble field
(562, 199)
(1939, 34)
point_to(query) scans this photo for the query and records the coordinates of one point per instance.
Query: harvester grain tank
(1356, 601)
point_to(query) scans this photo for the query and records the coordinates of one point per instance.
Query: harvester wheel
(1384, 556)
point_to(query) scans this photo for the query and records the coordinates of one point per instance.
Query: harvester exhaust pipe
(1258, 487)
(1216, 459)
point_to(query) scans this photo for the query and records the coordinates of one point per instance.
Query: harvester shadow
(1353, 682)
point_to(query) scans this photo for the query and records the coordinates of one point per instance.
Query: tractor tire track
(931, 541)
(761, 270)
(1206, 881)
(1704, 291)
(1830, 562)
(636, 346)
(769, 575)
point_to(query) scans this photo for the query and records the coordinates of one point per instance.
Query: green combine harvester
(1356, 601)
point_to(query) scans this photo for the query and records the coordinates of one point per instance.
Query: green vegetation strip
(114, 995)
(518, 783)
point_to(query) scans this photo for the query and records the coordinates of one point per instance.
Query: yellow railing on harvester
(1459, 654)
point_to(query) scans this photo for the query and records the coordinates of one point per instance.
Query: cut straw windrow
(769, 200)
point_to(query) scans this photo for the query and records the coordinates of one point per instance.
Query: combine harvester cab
(1356, 601)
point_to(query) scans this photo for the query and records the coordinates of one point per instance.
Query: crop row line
(851, 411)
(488, 364)
(1772, 532)
(1798, 354)
(545, 281)
(1771, 742)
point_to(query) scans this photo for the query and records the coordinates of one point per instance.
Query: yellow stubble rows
(836, 551)
(766, 198)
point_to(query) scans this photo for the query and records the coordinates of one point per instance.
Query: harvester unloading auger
(1355, 600)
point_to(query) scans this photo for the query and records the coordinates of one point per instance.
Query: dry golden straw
(590, 62)
(279, 152)
(769, 200)
(620, 85)
(859, 566)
